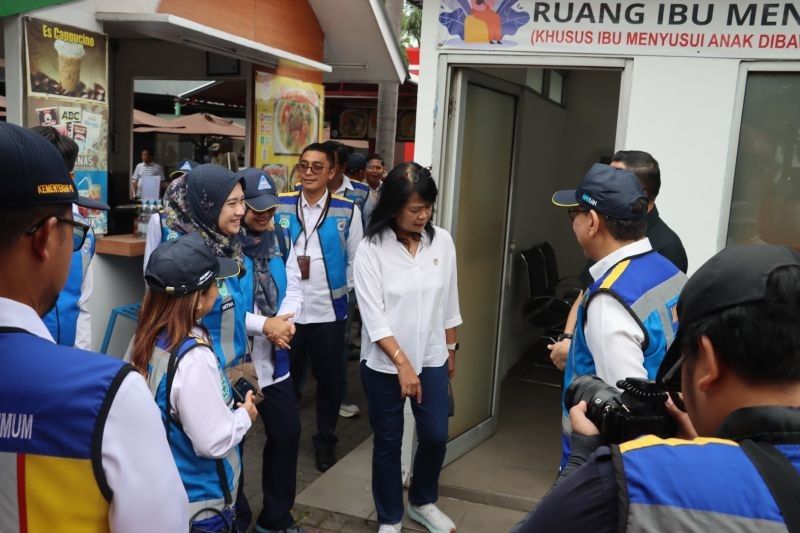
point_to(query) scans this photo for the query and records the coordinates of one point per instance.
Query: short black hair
(65, 146)
(325, 148)
(404, 180)
(379, 157)
(645, 167)
(15, 222)
(759, 341)
(629, 230)
(341, 152)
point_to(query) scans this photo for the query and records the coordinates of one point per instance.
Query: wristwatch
(564, 336)
(453, 347)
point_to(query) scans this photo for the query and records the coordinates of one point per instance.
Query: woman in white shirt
(405, 278)
(174, 354)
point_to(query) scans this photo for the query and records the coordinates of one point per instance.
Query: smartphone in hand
(240, 389)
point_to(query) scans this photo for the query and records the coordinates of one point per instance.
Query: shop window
(765, 205)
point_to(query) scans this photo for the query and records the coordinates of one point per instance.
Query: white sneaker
(432, 518)
(348, 410)
(391, 528)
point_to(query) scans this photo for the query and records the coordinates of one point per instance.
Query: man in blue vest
(626, 319)
(69, 322)
(82, 445)
(323, 231)
(737, 360)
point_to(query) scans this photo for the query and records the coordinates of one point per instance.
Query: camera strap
(781, 478)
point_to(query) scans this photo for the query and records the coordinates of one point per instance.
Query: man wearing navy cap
(82, 446)
(631, 320)
(735, 465)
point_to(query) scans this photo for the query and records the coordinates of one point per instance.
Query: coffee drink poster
(66, 90)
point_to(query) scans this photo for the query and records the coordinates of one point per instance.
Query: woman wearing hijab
(405, 277)
(278, 410)
(171, 350)
(210, 201)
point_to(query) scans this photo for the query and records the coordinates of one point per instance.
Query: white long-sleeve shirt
(136, 459)
(612, 334)
(310, 299)
(196, 400)
(411, 298)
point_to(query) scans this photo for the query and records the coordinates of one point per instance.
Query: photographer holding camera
(737, 360)
(626, 319)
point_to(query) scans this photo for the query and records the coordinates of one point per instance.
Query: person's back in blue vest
(73, 424)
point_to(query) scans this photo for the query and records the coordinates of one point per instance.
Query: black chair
(548, 304)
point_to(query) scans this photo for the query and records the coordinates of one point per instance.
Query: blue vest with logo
(226, 320)
(705, 484)
(358, 194)
(648, 286)
(333, 233)
(50, 439)
(62, 320)
(203, 478)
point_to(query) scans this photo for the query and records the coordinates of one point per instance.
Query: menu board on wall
(66, 80)
(288, 117)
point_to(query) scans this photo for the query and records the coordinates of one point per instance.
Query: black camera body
(621, 416)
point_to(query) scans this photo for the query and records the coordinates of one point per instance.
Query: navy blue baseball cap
(609, 191)
(737, 275)
(356, 162)
(260, 192)
(34, 173)
(183, 167)
(186, 265)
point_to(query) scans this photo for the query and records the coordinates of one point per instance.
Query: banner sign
(66, 80)
(288, 117)
(746, 30)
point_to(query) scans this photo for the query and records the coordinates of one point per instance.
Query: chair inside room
(550, 299)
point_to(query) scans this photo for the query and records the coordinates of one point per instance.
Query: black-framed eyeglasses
(79, 230)
(574, 211)
(316, 168)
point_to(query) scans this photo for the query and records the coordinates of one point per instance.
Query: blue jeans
(386, 419)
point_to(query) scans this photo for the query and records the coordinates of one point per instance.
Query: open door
(475, 187)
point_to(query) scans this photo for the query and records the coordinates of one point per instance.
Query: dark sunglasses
(79, 230)
(573, 212)
(316, 168)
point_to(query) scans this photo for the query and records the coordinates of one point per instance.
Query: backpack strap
(781, 478)
(175, 357)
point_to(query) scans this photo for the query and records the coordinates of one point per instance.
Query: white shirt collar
(346, 185)
(598, 269)
(18, 315)
(320, 202)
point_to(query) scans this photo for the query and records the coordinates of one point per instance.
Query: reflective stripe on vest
(226, 320)
(333, 233)
(198, 474)
(62, 320)
(50, 460)
(358, 194)
(706, 484)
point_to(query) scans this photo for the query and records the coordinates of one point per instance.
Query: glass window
(765, 206)
(535, 79)
(556, 90)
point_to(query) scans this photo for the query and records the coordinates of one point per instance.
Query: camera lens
(597, 394)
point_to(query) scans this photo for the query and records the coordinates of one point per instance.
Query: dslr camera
(621, 416)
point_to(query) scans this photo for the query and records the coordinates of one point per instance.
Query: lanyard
(300, 216)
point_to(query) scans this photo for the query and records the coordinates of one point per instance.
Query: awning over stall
(196, 124)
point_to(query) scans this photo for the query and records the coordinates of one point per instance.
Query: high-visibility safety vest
(705, 484)
(648, 286)
(333, 234)
(209, 483)
(62, 320)
(226, 320)
(51, 435)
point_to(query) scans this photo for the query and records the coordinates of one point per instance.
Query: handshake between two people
(642, 408)
(280, 330)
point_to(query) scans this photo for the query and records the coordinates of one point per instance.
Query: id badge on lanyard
(304, 260)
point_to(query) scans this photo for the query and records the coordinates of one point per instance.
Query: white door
(475, 187)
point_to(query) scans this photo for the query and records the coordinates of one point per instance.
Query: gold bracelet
(396, 352)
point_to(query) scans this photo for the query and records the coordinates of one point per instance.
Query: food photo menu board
(288, 118)
(66, 80)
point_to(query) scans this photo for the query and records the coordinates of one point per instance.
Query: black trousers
(281, 421)
(321, 345)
